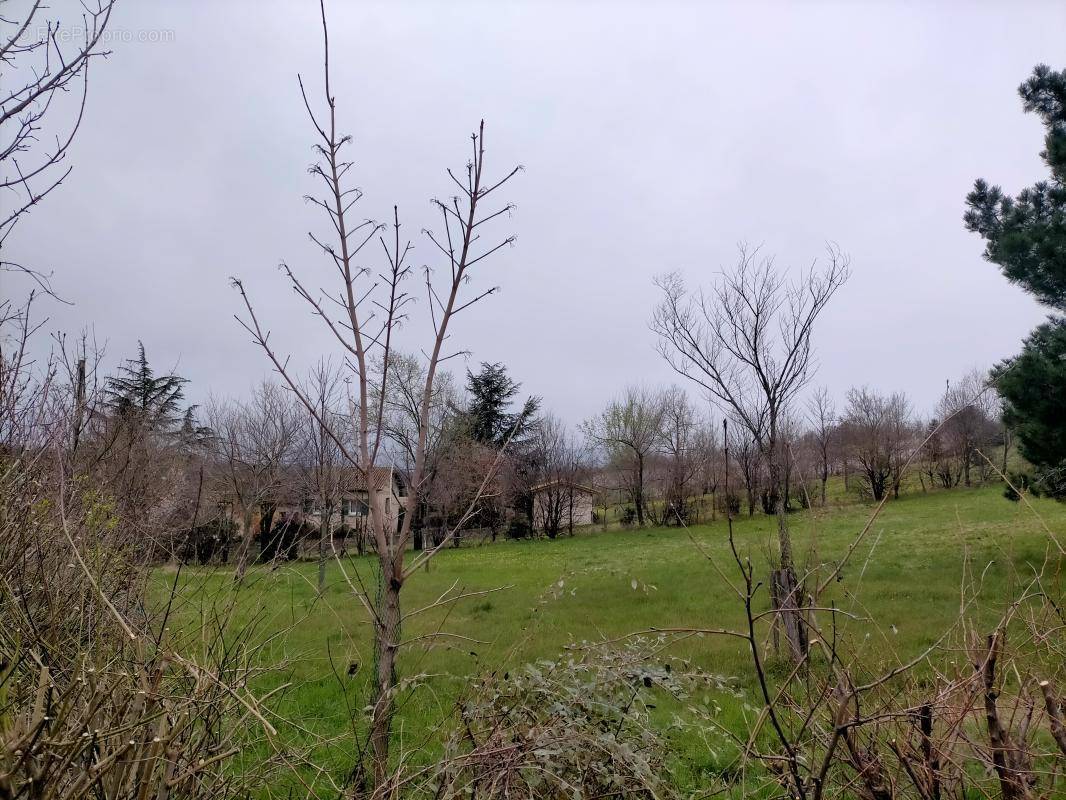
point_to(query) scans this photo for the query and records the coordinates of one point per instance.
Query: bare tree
(748, 344)
(684, 444)
(551, 455)
(711, 463)
(821, 414)
(362, 314)
(750, 461)
(968, 409)
(559, 469)
(401, 411)
(790, 438)
(628, 431)
(255, 441)
(940, 464)
(466, 480)
(877, 434)
(324, 477)
(42, 67)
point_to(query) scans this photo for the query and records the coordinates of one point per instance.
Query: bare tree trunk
(325, 530)
(640, 490)
(1054, 713)
(246, 545)
(79, 409)
(777, 486)
(1008, 757)
(386, 643)
(387, 632)
(1006, 447)
(418, 529)
(787, 593)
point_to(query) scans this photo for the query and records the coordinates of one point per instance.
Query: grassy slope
(583, 588)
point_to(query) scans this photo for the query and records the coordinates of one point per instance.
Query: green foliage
(1033, 385)
(1020, 483)
(138, 394)
(1026, 237)
(519, 528)
(99, 510)
(492, 391)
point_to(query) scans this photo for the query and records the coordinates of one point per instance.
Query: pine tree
(1026, 237)
(492, 391)
(138, 395)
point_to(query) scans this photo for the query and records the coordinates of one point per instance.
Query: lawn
(903, 582)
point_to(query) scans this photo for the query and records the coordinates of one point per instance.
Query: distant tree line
(235, 480)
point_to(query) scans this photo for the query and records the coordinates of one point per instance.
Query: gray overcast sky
(654, 137)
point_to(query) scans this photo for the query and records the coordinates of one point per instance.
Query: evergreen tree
(138, 395)
(490, 420)
(1026, 237)
(1033, 386)
(191, 433)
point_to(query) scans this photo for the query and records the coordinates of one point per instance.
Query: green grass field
(904, 580)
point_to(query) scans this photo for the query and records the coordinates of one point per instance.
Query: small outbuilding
(562, 505)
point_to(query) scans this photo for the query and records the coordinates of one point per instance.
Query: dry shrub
(132, 728)
(96, 698)
(978, 713)
(95, 701)
(580, 726)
